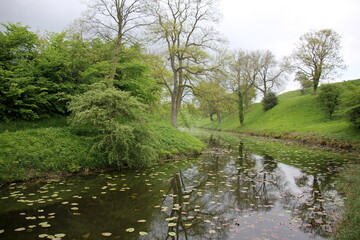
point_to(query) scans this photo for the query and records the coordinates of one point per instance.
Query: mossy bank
(30, 150)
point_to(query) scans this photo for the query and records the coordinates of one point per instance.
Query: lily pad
(130, 230)
(60, 235)
(106, 234)
(172, 234)
(20, 229)
(143, 233)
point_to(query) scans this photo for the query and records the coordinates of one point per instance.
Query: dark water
(241, 188)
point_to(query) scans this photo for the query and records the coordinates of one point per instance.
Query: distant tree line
(157, 51)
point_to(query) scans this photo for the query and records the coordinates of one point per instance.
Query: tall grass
(349, 229)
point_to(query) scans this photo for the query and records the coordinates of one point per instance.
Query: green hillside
(297, 116)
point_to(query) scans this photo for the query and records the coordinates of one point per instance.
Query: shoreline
(306, 140)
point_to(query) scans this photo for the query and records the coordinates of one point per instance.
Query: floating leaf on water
(172, 224)
(106, 234)
(20, 229)
(60, 235)
(212, 231)
(44, 235)
(86, 235)
(187, 224)
(141, 221)
(130, 230)
(172, 234)
(32, 226)
(143, 233)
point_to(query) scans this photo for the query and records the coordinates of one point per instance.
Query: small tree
(115, 118)
(269, 101)
(329, 98)
(303, 80)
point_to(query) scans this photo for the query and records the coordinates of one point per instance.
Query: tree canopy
(317, 55)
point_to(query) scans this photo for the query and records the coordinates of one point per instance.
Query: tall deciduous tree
(114, 20)
(243, 70)
(318, 55)
(271, 72)
(184, 26)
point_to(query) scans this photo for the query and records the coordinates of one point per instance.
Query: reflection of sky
(289, 174)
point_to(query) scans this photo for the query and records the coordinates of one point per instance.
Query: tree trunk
(117, 50)
(174, 110)
(316, 77)
(114, 64)
(211, 117)
(241, 108)
(218, 117)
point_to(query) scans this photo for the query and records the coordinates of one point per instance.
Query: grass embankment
(349, 228)
(297, 116)
(37, 149)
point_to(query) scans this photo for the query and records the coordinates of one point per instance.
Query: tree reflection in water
(230, 194)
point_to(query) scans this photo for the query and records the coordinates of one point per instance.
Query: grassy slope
(296, 116)
(29, 150)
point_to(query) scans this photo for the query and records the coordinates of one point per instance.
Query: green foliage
(134, 75)
(351, 102)
(348, 228)
(38, 76)
(304, 81)
(329, 98)
(54, 122)
(214, 99)
(269, 101)
(115, 117)
(101, 108)
(128, 145)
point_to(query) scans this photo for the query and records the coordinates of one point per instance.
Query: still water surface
(240, 188)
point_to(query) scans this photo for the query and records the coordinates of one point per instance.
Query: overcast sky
(275, 25)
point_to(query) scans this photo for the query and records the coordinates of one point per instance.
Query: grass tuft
(349, 228)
